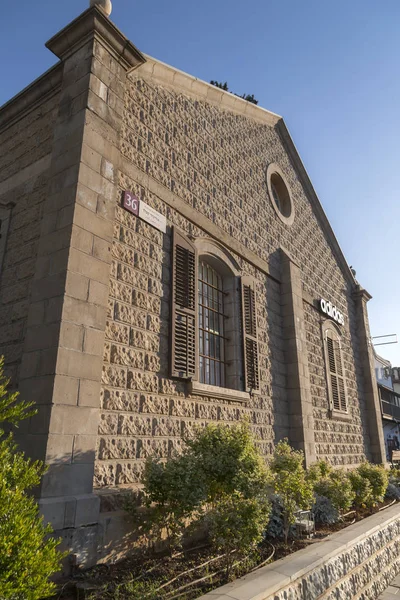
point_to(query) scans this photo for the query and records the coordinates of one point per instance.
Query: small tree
(290, 483)
(237, 523)
(173, 492)
(229, 461)
(336, 486)
(28, 557)
(362, 489)
(378, 478)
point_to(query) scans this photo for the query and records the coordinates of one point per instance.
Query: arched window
(334, 368)
(213, 320)
(211, 326)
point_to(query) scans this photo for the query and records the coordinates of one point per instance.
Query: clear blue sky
(331, 69)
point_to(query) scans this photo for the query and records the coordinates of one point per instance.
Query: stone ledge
(273, 579)
(212, 391)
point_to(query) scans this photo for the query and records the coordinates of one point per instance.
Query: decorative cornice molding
(35, 94)
(187, 84)
(94, 24)
(360, 292)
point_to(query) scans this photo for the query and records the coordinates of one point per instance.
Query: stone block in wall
(120, 400)
(115, 448)
(129, 472)
(114, 376)
(146, 382)
(152, 447)
(135, 425)
(131, 276)
(108, 424)
(117, 332)
(154, 405)
(104, 474)
(129, 357)
(183, 408)
(165, 426)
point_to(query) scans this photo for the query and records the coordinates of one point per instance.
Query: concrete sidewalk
(393, 591)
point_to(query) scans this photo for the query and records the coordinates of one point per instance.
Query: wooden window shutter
(335, 373)
(250, 342)
(184, 308)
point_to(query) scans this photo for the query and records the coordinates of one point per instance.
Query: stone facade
(85, 286)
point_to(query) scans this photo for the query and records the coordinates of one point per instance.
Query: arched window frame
(334, 368)
(242, 377)
(219, 259)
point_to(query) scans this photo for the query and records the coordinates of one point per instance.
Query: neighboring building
(389, 394)
(224, 295)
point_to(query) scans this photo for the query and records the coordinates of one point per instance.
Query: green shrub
(218, 464)
(337, 487)
(275, 527)
(378, 478)
(229, 460)
(236, 523)
(392, 492)
(290, 483)
(324, 512)
(28, 556)
(318, 470)
(362, 489)
(172, 492)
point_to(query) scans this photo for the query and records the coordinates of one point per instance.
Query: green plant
(172, 492)
(28, 556)
(324, 512)
(290, 483)
(236, 523)
(275, 527)
(318, 470)
(361, 488)
(378, 478)
(219, 462)
(392, 492)
(229, 461)
(337, 487)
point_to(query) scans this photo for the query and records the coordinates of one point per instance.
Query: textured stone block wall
(340, 442)
(143, 411)
(24, 175)
(214, 161)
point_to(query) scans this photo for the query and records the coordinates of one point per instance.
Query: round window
(279, 194)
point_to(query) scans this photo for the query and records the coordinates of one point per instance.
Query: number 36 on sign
(131, 203)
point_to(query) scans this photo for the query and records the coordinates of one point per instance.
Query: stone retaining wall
(357, 563)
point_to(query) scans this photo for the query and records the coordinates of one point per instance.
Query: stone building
(165, 263)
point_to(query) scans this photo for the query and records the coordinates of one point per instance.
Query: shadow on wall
(276, 354)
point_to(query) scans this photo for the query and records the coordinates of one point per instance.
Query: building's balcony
(390, 403)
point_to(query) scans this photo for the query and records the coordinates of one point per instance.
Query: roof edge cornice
(175, 79)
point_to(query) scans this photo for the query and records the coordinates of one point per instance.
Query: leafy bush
(219, 467)
(275, 528)
(290, 483)
(28, 557)
(228, 460)
(172, 492)
(362, 489)
(392, 492)
(318, 470)
(378, 478)
(237, 523)
(324, 512)
(336, 486)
